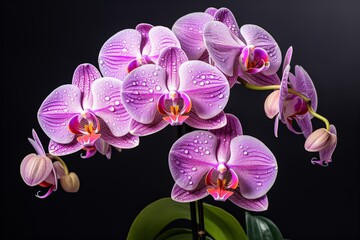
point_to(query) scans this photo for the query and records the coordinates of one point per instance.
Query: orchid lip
(175, 106)
(254, 59)
(87, 125)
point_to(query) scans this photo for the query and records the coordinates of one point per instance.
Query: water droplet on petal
(207, 152)
(117, 102)
(111, 109)
(194, 169)
(186, 151)
(107, 98)
(245, 152)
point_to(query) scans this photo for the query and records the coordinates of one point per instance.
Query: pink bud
(34, 169)
(271, 105)
(70, 183)
(319, 140)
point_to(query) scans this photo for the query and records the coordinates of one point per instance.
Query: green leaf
(261, 228)
(177, 234)
(149, 223)
(222, 225)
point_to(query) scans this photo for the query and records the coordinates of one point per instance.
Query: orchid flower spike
(131, 48)
(324, 142)
(225, 164)
(250, 52)
(87, 114)
(173, 92)
(38, 169)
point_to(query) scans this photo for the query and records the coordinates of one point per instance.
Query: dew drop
(107, 98)
(186, 151)
(158, 88)
(245, 152)
(189, 177)
(155, 73)
(177, 162)
(194, 169)
(207, 152)
(190, 182)
(151, 90)
(221, 95)
(151, 99)
(259, 184)
(117, 102)
(111, 109)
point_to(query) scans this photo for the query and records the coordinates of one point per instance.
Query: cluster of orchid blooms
(153, 76)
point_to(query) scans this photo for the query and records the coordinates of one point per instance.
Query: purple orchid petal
(34, 169)
(58, 149)
(223, 47)
(140, 129)
(118, 51)
(124, 142)
(260, 79)
(191, 157)
(254, 164)
(225, 134)
(255, 205)
(108, 105)
(48, 193)
(284, 91)
(305, 125)
(189, 30)
(302, 83)
(90, 152)
(36, 143)
(207, 87)
(211, 11)
(141, 91)
(255, 35)
(57, 109)
(103, 147)
(144, 29)
(225, 16)
(161, 38)
(84, 75)
(287, 58)
(212, 123)
(171, 59)
(179, 194)
(326, 154)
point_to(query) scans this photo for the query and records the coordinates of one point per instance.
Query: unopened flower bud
(271, 105)
(70, 183)
(319, 140)
(34, 169)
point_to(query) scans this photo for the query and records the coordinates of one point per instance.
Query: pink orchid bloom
(87, 114)
(222, 163)
(173, 92)
(131, 48)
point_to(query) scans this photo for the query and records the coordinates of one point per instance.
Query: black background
(43, 43)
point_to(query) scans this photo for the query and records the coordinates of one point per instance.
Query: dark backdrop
(43, 43)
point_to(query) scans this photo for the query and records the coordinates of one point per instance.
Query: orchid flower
(173, 92)
(189, 30)
(131, 48)
(87, 114)
(250, 52)
(38, 169)
(222, 163)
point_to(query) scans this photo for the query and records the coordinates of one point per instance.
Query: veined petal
(58, 149)
(254, 164)
(161, 38)
(326, 154)
(189, 30)
(225, 16)
(84, 75)
(206, 86)
(141, 91)
(305, 125)
(140, 129)
(225, 134)
(191, 157)
(171, 59)
(271, 104)
(103, 147)
(302, 83)
(56, 111)
(124, 142)
(36, 143)
(179, 194)
(222, 45)
(34, 169)
(108, 105)
(118, 51)
(287, 58)
(211, 11)
(257, 36)
(260, 79)
(212, 123)
(143, 29)
(255, 205)
(284, 91)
